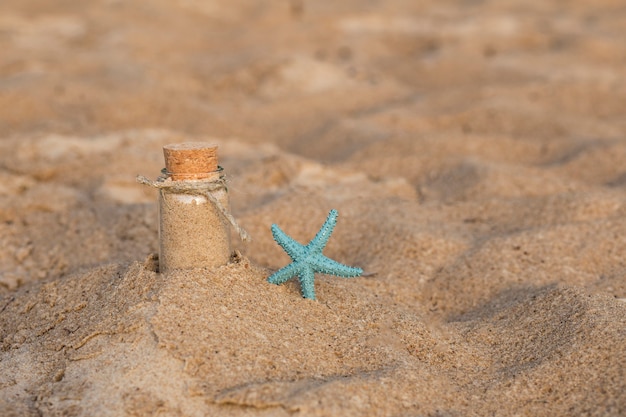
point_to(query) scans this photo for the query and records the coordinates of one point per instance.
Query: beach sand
(474, 150)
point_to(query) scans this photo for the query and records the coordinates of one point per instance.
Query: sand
(475, 153)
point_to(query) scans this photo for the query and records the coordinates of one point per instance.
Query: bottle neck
(202, 176)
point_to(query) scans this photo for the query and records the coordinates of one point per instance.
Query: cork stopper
(191, 160)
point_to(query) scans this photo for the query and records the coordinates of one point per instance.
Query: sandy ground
(474, 149)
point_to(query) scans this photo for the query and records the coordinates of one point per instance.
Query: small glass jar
(193, 232)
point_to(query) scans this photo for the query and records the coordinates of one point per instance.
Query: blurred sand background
(474, 149)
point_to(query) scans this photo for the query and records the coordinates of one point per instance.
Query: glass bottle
(193, 232)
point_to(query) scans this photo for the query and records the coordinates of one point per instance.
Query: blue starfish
(307, 260)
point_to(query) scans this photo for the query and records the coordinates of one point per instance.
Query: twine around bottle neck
(204, 187)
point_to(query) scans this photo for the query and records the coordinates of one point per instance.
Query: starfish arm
(321, 238)
(285, 273)
(294, 249)
(328, 266)
(307, 283)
